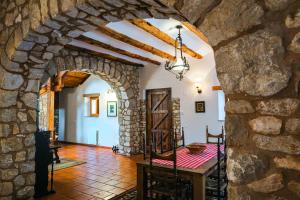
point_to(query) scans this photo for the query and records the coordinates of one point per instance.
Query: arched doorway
(257, 80)
(125, 86)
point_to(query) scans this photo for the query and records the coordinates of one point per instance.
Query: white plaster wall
(75, 126)
(194, 123)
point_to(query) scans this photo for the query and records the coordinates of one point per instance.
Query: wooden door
(159, 118)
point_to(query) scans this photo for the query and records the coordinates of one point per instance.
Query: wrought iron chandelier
(180, 65)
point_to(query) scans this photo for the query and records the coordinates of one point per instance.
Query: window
(221, 105)
(91, 105)
(94, 106)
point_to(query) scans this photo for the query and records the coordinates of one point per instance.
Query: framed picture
(200, 106)
(112, 109)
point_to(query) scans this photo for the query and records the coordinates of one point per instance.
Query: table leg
(199, 187)
(56, 156)
(140, 182)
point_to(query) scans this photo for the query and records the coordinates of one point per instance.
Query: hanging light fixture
(180, 66)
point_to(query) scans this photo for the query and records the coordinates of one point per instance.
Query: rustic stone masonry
(124, 79)
(43, 112)
(257, 53)
(176, 118)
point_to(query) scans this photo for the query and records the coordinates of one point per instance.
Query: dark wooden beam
(196, 31)
(103, 55)
(121, 37)
(216, 87)
(149, 28)
(114, 49)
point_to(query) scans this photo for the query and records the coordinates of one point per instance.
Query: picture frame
(112, 109)
(200, 106)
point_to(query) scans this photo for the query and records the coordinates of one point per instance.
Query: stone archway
(124, 84)
(257, 56)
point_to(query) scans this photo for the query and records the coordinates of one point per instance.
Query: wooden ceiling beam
(216, 87)
(149, 28)
(195, 30)
(58, 82)
(117, 50)
(121, 37)
(103, 55)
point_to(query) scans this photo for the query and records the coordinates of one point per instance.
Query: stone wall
(176, 119)
(43, 112)
(257, 65)
(257, 56)
(123, 79)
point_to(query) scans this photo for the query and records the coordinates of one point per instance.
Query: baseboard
(82, 144)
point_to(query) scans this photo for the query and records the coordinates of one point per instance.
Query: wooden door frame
(169, 90)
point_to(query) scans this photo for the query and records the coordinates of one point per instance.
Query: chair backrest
(170, 156)
(214, 138)
(182, 136)
(157, 137)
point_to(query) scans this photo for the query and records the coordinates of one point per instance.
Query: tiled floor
(104, 176)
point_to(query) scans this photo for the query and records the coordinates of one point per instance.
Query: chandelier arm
(180, 66)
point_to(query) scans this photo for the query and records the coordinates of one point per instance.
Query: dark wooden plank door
(159, 118)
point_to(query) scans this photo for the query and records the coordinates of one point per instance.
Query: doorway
(159, 118)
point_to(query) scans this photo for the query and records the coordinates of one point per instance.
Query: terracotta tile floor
(104, 176)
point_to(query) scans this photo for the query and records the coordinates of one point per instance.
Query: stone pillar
(257, 66)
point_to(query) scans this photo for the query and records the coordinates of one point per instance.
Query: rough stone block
(237, 163)
(253, 64)
(6, 188)
(11, 144)
(266, 125)
(295, 44)
(239, 106)
(8, 115)
(276, 5)
(8, 98)
(226, 21)
(280, 107)
(30, 99)
(294, 187)
(27, 167)
(269, 184)
(287, 162)
(285, 144)
(293, 21)
(293, 125)
(8, 174)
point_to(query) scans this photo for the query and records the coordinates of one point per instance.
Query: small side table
(54, 148)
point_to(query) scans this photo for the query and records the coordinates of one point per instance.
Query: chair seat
(212, 185)
(169, 189)
(214, 175)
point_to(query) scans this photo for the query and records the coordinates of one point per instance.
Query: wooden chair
(182, 137)
(157, 137)
(213, 138)
(164, 184)
(217, 182)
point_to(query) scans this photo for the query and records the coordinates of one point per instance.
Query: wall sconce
(198, 87)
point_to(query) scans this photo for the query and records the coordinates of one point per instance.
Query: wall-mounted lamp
(198, 87)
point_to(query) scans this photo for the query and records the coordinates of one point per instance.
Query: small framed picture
(200, 106)
(112, 109)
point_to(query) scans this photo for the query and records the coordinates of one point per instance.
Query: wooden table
(196, 176)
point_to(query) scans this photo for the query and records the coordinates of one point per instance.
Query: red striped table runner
(192, 161)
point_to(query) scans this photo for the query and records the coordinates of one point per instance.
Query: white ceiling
(199, 67)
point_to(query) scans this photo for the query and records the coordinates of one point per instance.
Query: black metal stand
(44, 157)
(52, 176)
